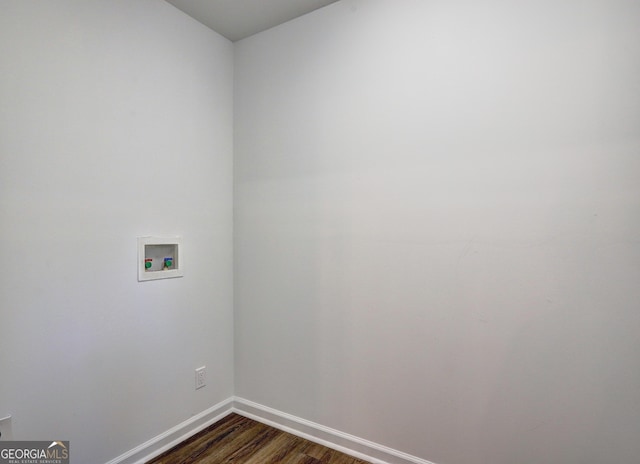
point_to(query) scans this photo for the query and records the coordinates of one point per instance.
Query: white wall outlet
(5, 429)
(201, 379)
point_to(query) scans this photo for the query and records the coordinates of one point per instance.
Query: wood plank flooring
(239, 440)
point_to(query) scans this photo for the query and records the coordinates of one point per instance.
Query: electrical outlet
(201, 379)
(5, 429)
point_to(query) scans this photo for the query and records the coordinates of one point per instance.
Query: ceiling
(237, 19)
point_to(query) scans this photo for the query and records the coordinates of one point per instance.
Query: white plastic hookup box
(159, 258)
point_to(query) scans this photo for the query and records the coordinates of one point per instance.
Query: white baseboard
(167, 440)
(331, 438)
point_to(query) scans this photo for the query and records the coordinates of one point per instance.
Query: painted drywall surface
(437, 225)
(115, 122)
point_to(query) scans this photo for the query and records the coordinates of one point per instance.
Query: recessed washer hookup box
(159, 258)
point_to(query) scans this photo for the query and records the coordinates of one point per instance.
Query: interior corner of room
(407, 229)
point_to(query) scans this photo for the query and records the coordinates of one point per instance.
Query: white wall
(438, 226)
(437, 222)
(115, 122)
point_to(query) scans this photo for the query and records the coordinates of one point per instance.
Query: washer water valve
(160, 258)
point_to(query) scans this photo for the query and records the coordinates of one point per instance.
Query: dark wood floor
(239, 440)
